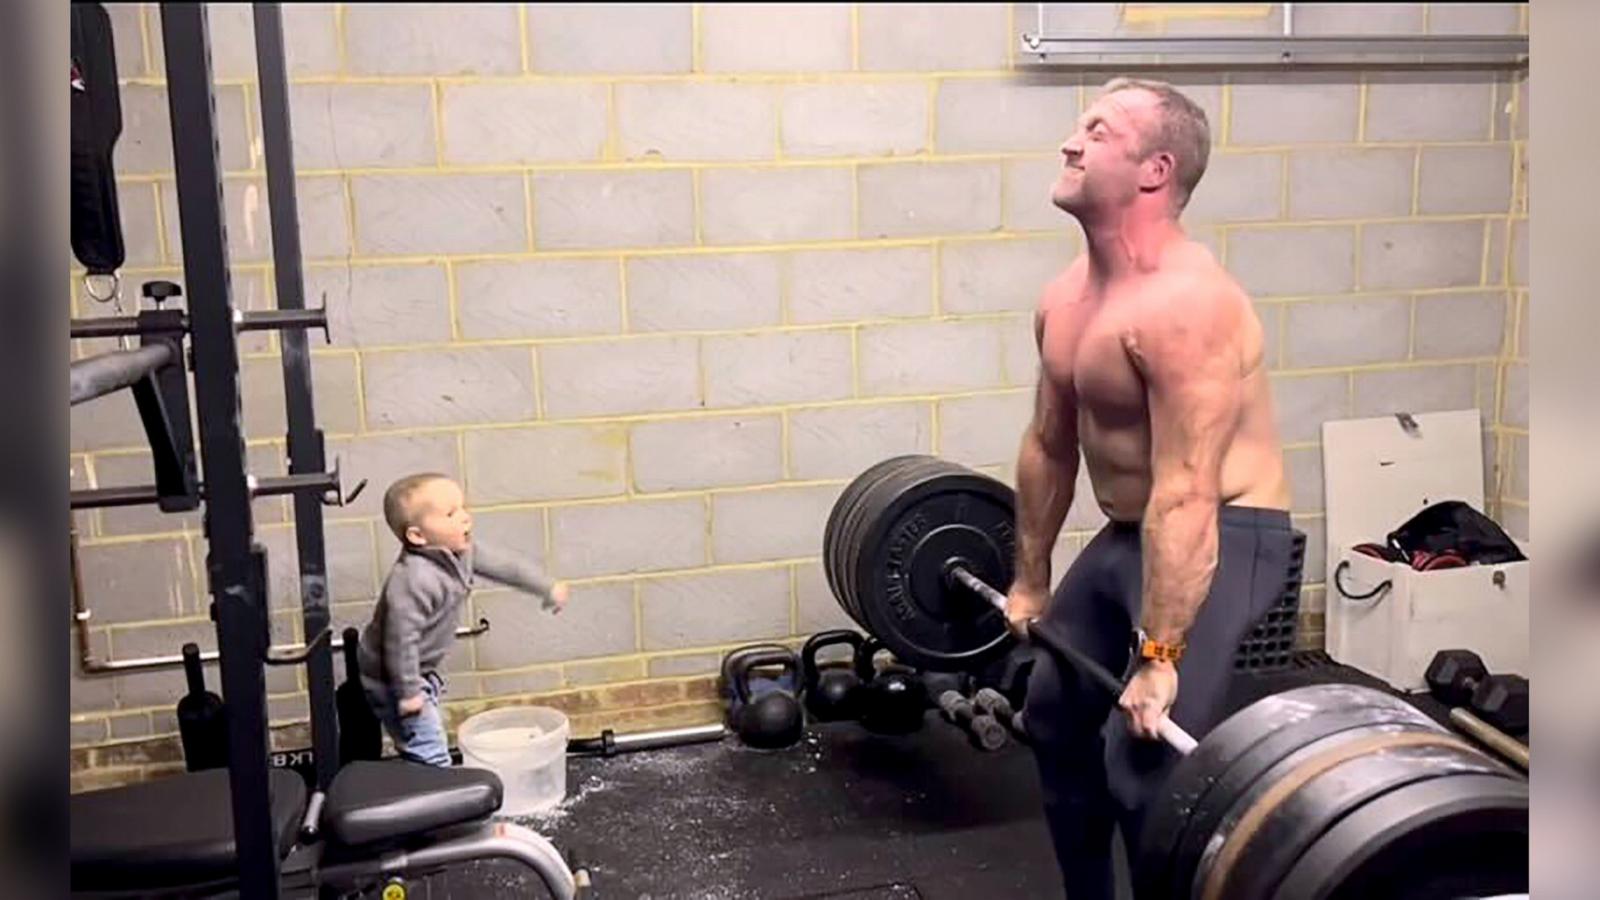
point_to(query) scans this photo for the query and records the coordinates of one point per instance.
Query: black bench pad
(370, 802)
(170, 832)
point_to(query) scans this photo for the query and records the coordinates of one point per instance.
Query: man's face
(440, 518)
(1100, 162)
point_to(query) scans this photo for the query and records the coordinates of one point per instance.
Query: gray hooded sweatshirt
(418, 610)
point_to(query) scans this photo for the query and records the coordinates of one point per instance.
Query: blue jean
(421, 737)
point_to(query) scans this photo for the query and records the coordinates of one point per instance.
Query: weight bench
(174, 836)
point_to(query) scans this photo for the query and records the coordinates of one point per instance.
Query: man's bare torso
(1084, 354)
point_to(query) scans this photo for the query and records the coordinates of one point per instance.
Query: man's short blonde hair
(398, 509)
(1182, 131)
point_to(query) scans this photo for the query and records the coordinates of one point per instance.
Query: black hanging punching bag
(96, 125)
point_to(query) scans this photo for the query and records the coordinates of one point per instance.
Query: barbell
(1325, 791)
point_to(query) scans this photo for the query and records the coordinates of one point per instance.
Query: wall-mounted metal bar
(139, 495)
(1507, 49)
(279, 653)
(100, 375)
(263, 320)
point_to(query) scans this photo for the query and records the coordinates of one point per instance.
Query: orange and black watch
(1145, 647)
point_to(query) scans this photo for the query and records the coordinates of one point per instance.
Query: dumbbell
(995, 704)
(981, 728)
(1459, 678)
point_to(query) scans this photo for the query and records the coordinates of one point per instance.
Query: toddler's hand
(558, 597)
(413, 704)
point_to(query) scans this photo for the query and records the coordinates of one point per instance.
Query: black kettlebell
(833, 695)
(767, 719)
(893, 698)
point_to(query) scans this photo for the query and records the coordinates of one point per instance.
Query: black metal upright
(306, 454)
(234, 564)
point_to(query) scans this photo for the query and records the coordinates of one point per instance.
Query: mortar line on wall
(347, 184)
(937, 279)
(933, 428)
(527, 208)
(788, 162)
(1349, 392)
(522, 34)
(933, 116)
(538, 384)
(361, 393)
(1488, 248)
(1361, 110)
(1416, 182)
(1226, 112)
(162, 244)
(145, 44)
(461, 460)
(695, 54)
(339, 41)
(794, 600)
(251, 139)
(452, 298)
(1425, 23)
(710, 560)
(855, 37)
(610, 152)
(622, 291)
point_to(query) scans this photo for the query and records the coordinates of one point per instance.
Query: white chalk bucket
(526, 746)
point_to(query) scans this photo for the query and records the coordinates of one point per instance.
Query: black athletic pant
(1094, 773)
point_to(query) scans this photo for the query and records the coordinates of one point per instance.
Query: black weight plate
(1456, 836)
(864, 510)
(1309, 811)
(832, 559)
(867, 509)
(899, 571)
(832, 532)
(875, 507)
(1203, 785)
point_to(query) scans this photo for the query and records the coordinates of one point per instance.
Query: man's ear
(1156, 170)
(414, 536)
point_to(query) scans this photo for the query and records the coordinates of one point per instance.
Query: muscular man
(1152, 367)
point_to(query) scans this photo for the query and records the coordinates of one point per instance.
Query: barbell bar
(1170, 731)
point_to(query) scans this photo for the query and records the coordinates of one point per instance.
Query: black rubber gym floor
(844, 814)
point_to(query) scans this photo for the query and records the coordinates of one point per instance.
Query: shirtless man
(1152, 366)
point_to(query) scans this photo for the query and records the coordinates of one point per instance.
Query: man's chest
(1083, 352)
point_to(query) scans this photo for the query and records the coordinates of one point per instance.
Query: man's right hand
(413, 704)
(1022, 605)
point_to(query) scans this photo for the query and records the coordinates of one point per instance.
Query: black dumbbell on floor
(1459, 678)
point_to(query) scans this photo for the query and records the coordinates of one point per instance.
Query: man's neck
(1129, 242)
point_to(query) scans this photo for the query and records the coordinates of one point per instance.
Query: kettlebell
(833, 695)
(766, 719)
(893, 698)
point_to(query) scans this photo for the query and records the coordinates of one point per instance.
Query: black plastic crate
(1269, 646)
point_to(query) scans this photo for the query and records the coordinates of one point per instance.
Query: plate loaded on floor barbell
(1322, 791)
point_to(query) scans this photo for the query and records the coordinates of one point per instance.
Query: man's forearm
(1044, 494)
(1180, 558)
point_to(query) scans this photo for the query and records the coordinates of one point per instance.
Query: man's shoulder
(1067, 286)
(1195, 281)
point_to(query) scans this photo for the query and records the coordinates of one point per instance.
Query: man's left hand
(1148, 696)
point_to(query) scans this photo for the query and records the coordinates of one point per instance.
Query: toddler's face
(442, 519)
